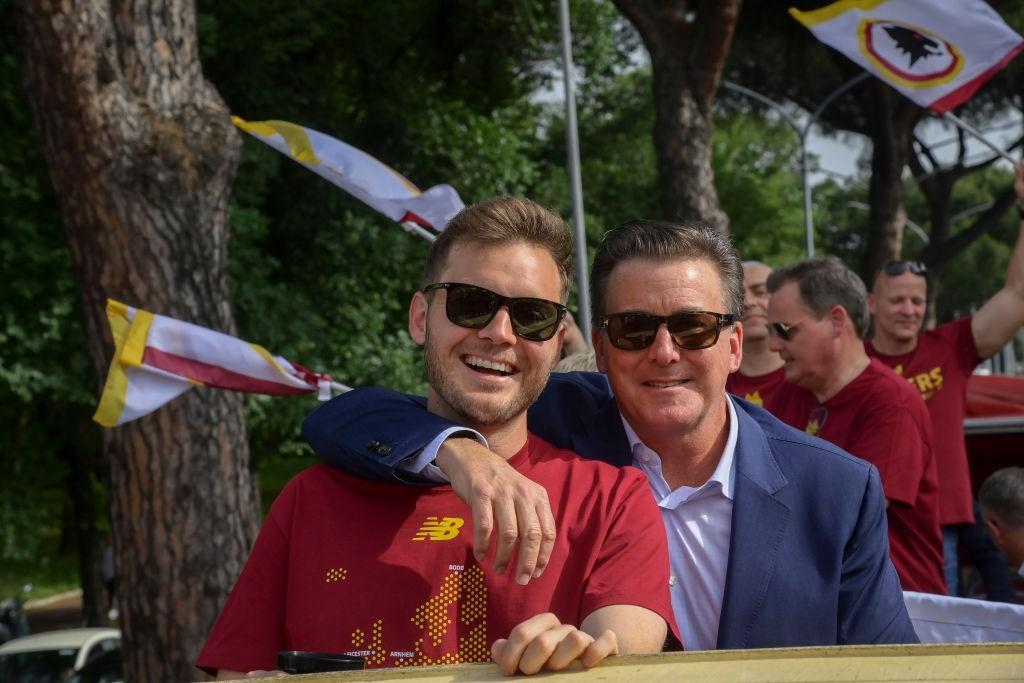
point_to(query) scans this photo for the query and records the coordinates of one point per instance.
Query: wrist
(450, 450)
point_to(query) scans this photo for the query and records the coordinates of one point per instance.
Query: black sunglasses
(894, 268)
(475, 307)
(784, 330)
(691, 330)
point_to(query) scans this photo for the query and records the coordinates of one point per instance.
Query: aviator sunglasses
(475, 307)
(691, 330)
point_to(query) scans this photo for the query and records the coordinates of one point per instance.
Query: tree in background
(688, 42)
(142, 153)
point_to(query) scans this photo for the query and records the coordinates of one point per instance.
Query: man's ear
(599, 357)
(994, 530)
(736, 347)
(418, 308)
(838, 317)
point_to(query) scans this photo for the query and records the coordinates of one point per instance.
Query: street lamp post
(802, 133)
(576, 183)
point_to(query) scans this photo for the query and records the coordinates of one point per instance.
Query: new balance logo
(443, 529)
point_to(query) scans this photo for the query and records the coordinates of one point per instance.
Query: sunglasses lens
(471, 307)
(693, 330)
(535, 319)
(631, 331)
(899, 267)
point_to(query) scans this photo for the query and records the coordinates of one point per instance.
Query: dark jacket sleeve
(367, 432)
(871, 606)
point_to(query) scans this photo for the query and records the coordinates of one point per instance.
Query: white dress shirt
(698, 523)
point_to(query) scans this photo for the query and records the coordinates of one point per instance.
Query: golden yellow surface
(964, 662)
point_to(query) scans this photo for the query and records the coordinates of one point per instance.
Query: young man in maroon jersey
(818, 317)
(938, 362)
(761, 370)
(387, 572)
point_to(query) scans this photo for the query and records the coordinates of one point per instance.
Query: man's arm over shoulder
(999, 319)
(871, 607)
(368, 432)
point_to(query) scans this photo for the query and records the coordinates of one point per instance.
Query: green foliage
(758, 180)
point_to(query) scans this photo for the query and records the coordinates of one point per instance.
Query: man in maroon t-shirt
(760, 370)
(386, 572)
(938, 363)
(818, 316)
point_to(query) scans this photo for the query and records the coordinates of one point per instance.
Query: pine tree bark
(688, 43)
(142, 153)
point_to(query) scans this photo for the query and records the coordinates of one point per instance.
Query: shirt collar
(725, 472)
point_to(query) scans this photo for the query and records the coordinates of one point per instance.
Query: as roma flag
(936, 52)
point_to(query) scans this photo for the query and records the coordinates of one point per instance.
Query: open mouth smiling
(489, 367)
(665, 384)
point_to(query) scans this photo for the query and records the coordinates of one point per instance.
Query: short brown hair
(659, 241)
(505, 220)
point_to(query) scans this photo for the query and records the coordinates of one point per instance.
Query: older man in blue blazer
(776, 538)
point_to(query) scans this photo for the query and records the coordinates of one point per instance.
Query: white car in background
(54, 656)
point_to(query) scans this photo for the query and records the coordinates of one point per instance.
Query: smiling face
(809, 351)
(488, 377)
(755, 302)
(898, 305)
(663, 391)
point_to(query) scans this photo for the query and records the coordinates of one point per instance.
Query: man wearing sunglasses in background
(818, 317)
(775, 538)
(387, 572)
(761, 371)
(938, 364)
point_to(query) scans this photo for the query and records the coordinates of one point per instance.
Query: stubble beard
(475, 413)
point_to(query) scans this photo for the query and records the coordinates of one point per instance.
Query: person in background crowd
(761, 371)
(818, 317)
(1001, 499)
(938, 362)
(775, 538)
(384, 572)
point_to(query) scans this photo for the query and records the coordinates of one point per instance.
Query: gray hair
(1002, 496)
(658, 241)
(824, 282)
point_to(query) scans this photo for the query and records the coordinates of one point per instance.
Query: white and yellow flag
(157, 358)
(936, 52)
(358, 173)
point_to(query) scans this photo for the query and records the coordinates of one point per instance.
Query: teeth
(490, 365)
(663, 385)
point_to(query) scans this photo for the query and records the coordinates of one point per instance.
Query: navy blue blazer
(809, 555)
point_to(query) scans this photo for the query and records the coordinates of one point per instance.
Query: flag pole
(414, 229)
(968, 128)
(576, 184)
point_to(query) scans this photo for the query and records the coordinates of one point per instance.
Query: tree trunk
(142, 154)
(892, 121)
(688, 43)
(82, 454)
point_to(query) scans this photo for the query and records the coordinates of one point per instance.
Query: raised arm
(999, 319)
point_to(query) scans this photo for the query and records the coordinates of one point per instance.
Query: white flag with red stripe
(358, 173)
(936, 52)
(157, 358)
